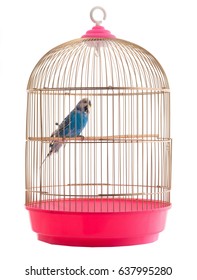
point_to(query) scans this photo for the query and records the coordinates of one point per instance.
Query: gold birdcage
(105, 182)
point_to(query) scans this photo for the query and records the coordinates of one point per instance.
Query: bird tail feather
(49, 153)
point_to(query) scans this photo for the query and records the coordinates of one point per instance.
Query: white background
(28, 30)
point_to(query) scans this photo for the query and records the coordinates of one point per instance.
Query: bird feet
(81, 136)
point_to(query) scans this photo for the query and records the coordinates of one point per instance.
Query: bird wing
(63, 126)
(58, 132)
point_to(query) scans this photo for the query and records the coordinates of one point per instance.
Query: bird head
(84, 105)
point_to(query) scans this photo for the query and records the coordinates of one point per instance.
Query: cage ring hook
(98, 22)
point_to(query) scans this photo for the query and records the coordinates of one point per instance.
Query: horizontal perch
(110, 138)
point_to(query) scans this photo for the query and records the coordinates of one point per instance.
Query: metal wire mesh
(125, 152)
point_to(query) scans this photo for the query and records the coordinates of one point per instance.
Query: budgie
(71, 126)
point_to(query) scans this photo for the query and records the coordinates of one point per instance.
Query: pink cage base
(98, 222)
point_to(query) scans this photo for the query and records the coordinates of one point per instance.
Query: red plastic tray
(98, 222)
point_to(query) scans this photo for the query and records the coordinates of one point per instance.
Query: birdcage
(98, 146)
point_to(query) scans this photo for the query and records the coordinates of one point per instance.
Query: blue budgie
(71, 126)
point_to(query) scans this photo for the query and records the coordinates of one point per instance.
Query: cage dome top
(98, 31)
(98, 60)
